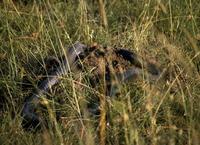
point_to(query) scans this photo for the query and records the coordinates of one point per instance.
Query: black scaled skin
(31, 120)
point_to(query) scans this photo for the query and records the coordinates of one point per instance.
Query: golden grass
(162, 31)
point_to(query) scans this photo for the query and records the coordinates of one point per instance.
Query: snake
(78, 58)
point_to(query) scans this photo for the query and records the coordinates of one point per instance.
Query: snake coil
(75, 53)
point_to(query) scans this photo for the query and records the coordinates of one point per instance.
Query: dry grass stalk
(102, 12)
(102, 122)
(191, 39)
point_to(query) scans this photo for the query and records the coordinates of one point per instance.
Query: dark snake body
(75, 54)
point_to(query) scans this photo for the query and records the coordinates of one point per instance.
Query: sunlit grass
(162, 31)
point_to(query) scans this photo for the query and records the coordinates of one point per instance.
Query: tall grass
(164, 32)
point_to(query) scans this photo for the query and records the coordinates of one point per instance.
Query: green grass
(164, 112)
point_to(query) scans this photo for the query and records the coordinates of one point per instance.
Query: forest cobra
(119, 64)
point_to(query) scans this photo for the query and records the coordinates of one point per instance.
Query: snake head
(75, 51)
